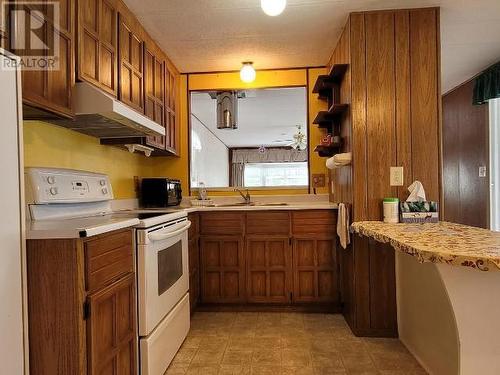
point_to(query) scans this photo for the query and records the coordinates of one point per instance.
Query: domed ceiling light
(247, 72)
(273, 7)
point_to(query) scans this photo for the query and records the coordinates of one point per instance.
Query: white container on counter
(391, 210)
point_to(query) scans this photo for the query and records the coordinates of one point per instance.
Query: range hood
(100, 115)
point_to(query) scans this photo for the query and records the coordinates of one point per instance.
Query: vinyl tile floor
(286, 343)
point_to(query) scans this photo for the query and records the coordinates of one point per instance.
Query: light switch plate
(396, 176)
(482, 171)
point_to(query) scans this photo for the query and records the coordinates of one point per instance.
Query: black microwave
(160, 192)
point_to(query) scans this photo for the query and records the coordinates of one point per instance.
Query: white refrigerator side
(13, 322)
(495, 164)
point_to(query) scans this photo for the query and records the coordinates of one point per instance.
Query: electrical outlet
(396, 176)
(318, 180)
(482, 171)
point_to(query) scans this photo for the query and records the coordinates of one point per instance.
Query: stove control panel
(54, 185)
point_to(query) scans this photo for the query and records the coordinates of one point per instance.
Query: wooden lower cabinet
(268, 266)
(82, 305)
(194, 273)
(260, 260)
(369, 288)
(111, 328)
(315, 276)
(223, 269)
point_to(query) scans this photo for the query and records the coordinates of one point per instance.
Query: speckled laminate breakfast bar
(442, 242)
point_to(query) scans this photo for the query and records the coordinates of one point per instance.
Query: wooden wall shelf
(328, 151)
(325, 83)
(324, 119)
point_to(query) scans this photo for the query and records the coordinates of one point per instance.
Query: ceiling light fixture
(273, 7)
(247, 72)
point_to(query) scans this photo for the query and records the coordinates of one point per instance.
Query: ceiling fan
(299, 140)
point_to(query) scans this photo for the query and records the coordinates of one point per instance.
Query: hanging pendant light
(273, 7)
(227, 110)
(247, 72)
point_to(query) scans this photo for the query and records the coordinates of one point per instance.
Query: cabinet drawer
(222, 223)
(272, 223)
(314, 222)
(107, 258)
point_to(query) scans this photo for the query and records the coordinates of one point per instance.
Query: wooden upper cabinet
(131, 63)
(97, 39)
(154, 87)
(172, 90)
(51, 89)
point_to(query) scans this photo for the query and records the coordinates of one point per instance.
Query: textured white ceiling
(268, 117)
(217, 35)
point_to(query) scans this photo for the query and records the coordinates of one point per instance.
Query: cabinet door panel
(194, 269)
(130, 90)
(112, 329)
(60, 81)
(315, 270)
(97, 60)
(107, 22)
(171, 91)
(222, 269)
(50, 88)
(268, 263)
(154, 77)
(90, 15)
(89, 66)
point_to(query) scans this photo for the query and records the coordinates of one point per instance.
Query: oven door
(163, 274)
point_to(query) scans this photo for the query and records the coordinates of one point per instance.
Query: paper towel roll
(339, 160)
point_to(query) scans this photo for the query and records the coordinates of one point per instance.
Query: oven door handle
(166, 236)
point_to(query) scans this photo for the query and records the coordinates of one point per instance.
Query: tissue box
(418, 212)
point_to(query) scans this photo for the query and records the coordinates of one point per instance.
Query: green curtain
(487, 85)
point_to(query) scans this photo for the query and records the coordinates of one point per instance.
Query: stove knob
(53, 190)
(102, 182)
(51, 180)
(104, 191)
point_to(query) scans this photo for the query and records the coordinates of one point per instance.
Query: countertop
(94, 225)
(78, 227)
(288, 206)
(443, 242)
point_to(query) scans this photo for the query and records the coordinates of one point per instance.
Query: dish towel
(339, 160)
(343, 225)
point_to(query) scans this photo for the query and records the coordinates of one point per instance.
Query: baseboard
(309, 308)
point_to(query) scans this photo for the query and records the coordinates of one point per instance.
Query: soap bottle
(202, 192)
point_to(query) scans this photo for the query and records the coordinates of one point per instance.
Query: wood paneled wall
(465, 149)
(342, 177)
(393, 87)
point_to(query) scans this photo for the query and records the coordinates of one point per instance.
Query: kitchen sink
(244, 204)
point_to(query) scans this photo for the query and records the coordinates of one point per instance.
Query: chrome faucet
(246, 196)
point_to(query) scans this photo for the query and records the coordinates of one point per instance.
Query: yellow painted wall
(47, 145)
(316, 163)
(178, 167)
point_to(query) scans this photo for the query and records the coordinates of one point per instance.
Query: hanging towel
(339, 160)
(343, 225)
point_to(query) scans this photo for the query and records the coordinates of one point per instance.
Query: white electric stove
(73, 204)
